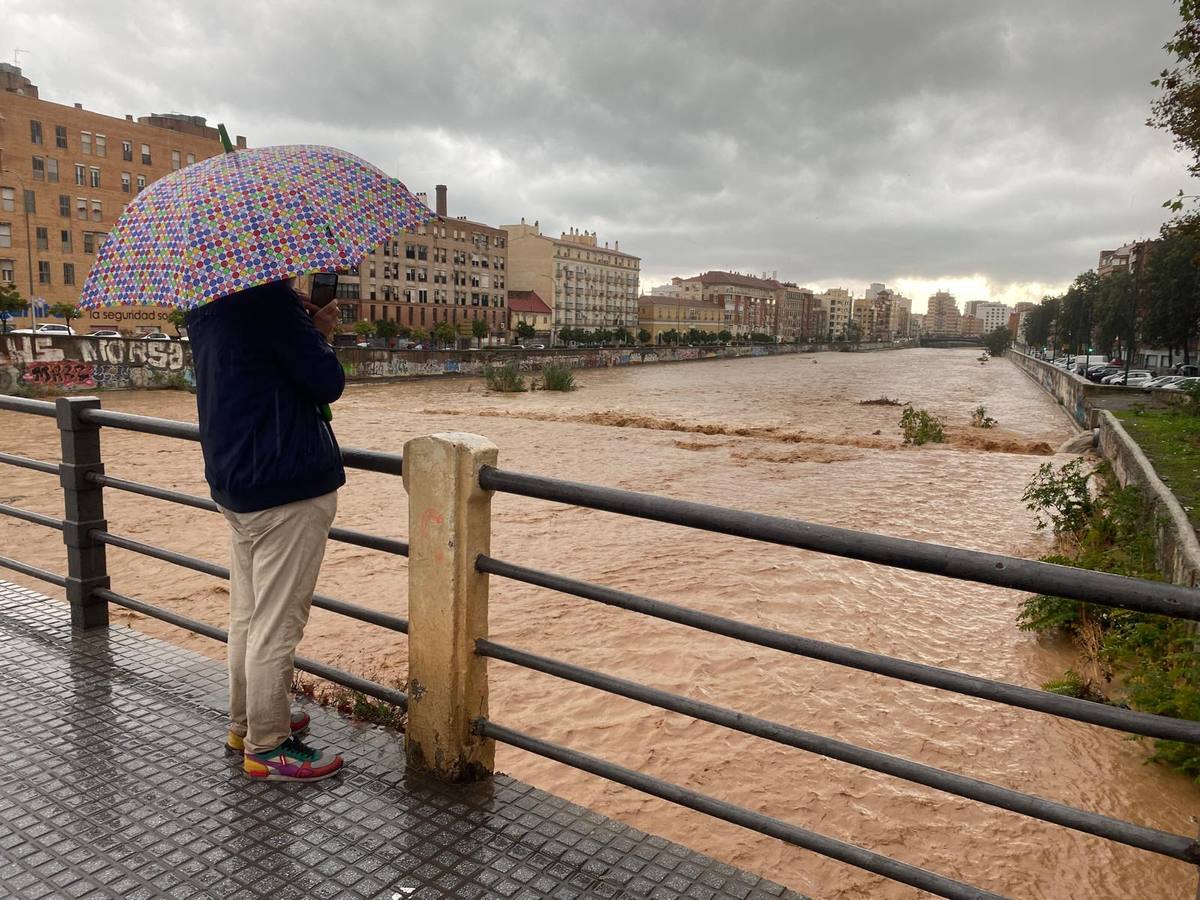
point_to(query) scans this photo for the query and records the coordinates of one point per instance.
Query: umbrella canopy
(245, 218)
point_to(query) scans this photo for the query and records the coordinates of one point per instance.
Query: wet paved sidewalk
(113, 784)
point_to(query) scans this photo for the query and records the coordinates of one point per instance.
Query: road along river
(786, 436)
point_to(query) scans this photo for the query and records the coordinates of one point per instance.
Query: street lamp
(28, 243)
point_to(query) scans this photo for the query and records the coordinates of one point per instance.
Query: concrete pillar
(449, 518)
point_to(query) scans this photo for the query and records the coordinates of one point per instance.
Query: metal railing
(450, 480)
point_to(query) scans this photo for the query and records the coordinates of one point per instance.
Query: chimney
(79, 106)
(441, 199)
(128, 118)
(240, 140)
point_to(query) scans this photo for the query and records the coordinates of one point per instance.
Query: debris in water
(882, 401)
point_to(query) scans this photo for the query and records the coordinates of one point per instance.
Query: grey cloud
(822, 140)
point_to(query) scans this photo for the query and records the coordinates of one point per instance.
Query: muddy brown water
(785, 436)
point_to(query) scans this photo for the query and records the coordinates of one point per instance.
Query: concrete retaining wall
(89, 364)
(1178, 548)
(1082, 398)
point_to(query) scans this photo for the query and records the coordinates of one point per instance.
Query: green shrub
(920, 427)
(1188, 399)
(1060, 499)
(504, 379)
(980, 418)
(558, 377)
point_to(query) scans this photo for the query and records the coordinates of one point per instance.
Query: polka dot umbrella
(245, 218)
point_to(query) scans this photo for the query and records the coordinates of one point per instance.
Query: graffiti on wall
(80, 363)
(68, 373)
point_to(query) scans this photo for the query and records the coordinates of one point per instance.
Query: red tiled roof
(528, 302)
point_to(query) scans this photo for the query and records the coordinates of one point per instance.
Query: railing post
(87, 568)
(449, 518)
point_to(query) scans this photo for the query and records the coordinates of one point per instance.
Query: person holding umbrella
(224, 238)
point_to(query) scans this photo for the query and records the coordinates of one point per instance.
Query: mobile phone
(324, 288)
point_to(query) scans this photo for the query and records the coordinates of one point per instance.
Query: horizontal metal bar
(23, 405)
(25, 462)
(151, 490)
(30, 516)
(936, 559)
(1088, 711)
(321, 670)
(1152, 839)
(32, 571)
(343, 535)
(186, 431)
(332, 604)
(368, 460)
(729, 812)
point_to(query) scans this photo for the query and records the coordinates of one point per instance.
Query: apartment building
(586, 285)
(837, 306)
(942, 316)
(450, 270)
(66, 174)
(663, 313)
(993, 315)
(1126, 258)
(794, 313)
(748, 304)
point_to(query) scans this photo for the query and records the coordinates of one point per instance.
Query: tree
(998, 341)
(1039, 322)
(853, 331)
(525, 331)
(444, 333)
(177, 318)
(364, 329)
(1171, 287)
(11, 303)
(419, 335)
(66, 311)
(479, 330)
(1177, 110)
(386, 329)
(724, 336)
(622, 335)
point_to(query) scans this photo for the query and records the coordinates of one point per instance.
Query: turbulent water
(786, 436)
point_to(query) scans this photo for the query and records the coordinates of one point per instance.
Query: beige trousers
(275, 555)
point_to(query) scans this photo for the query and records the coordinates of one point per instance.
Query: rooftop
(528, 302)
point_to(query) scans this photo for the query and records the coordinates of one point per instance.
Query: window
(80, 174)
(141, 183)
(52, 170)
(101, 145)
(39, 169)
(68, 273)
(35, 131)
(43, 272)
(8, 199)
(96, 214)
(30, 202)
(95, 176)
(81, 208)
(175, 159)
(60, 136)
(65, 236)
(127, 151)
(85, 143)
(126, 182)
(191, 158)
(89, 242)
(6, 271)
(64, 205)
(5, 234)
(42, 238)
(145, 154)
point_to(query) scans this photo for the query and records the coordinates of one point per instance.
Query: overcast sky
(992, 149)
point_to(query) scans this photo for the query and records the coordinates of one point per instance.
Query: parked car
(1162, 381)
(105, 333)
(1135, 376)
(536, 345)
(1183, 383)
(154, 336)
(1099, 373)
(45, 329)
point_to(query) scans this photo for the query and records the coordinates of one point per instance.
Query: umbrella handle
(225, 142)
(326, 412)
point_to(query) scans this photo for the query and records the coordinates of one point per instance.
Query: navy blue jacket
(262, 372)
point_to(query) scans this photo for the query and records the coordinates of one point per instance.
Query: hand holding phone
(324, 288)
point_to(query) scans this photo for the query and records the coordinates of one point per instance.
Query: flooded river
(785, 436)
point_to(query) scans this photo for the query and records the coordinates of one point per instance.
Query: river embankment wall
(78, 363)
(1091, 405)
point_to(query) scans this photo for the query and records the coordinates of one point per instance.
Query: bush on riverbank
(505, 379)
(1155, 657)
(558, 377)
(920, 427)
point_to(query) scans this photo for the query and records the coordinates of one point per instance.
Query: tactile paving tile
(114, 785)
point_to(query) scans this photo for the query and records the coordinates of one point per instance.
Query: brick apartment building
(449, 270)
(66, 174)
(748, 304)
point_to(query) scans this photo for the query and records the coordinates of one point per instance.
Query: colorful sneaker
(235, 744)
(293, 760)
